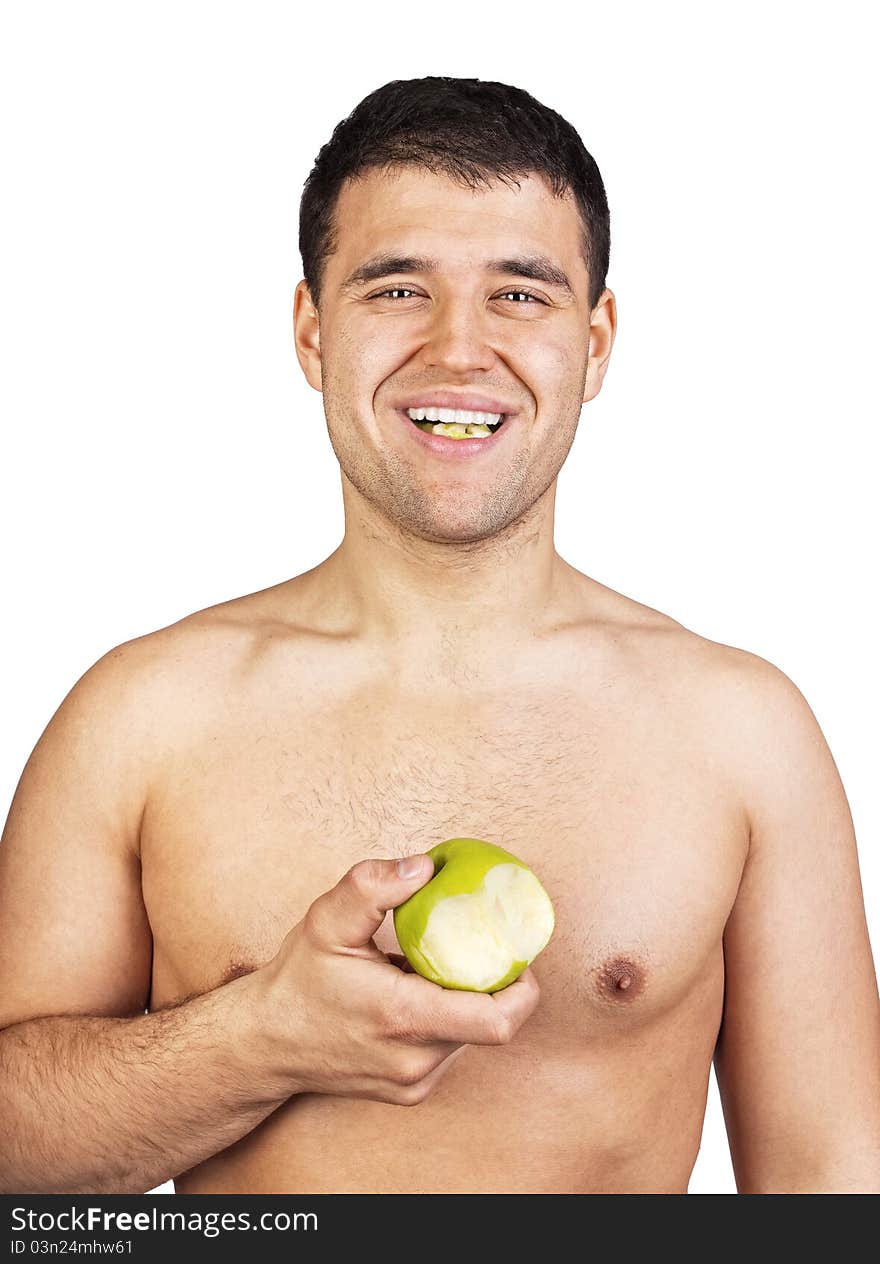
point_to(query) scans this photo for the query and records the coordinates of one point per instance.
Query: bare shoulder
(718, 672)
(753, 725)
(738, 703)
(218, 638)
(144, 692)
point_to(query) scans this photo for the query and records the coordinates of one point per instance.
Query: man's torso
(588, 755)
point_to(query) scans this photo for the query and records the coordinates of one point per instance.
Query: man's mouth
(455, 423)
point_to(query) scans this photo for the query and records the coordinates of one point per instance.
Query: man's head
(455, 239)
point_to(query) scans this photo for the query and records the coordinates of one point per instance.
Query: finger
(519, 1000)
(440, 1070)
(425, 1011)
(348, 915)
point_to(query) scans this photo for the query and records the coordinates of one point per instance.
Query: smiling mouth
(456, 423)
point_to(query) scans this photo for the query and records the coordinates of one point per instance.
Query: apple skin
(460, 868)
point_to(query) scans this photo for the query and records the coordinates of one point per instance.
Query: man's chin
(455, 532)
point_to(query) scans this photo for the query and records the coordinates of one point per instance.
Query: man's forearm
(119, 1105)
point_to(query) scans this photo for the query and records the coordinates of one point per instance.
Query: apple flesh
(478, 922)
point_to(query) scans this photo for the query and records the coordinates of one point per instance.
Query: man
(208, 828)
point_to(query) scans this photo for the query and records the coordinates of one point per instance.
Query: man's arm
(96, 1095)
(798, 1057)
(120, 1105)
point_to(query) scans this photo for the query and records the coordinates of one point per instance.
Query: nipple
(621, 978)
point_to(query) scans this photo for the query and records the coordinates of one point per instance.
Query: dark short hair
(472, 130)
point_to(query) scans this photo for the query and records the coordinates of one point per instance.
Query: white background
(162, 452)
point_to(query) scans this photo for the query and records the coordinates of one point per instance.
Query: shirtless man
(209, 827)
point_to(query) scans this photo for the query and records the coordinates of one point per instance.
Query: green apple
(478, 922)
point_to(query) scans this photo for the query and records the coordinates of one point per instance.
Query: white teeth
(454, 416)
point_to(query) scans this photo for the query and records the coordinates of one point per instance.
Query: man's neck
(406, 593)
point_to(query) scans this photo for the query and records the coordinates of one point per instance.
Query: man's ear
(603, 326)
(307, 335)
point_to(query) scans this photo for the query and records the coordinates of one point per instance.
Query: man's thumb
(413, 867)
(349, 915)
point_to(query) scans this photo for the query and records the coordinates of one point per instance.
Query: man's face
(469, 320)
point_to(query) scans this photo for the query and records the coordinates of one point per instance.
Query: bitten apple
(478, 922)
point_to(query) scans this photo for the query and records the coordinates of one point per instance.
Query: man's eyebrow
(386, 265)
(532, 267)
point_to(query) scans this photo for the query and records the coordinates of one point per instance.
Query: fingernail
(409, 866)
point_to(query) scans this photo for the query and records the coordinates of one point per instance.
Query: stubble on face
(443, 511)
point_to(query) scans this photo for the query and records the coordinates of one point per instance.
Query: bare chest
(607, 796)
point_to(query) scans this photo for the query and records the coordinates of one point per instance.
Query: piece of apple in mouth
(455, 423)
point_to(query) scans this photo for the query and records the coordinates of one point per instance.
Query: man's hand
(345, 1020)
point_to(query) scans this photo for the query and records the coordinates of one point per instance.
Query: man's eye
(519, 296)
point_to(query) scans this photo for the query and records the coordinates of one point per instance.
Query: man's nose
(458, 338)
